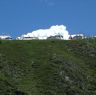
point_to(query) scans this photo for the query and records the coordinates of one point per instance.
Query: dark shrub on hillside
(20, 93)
(0, 41)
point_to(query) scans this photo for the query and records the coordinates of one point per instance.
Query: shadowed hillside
(48, 67)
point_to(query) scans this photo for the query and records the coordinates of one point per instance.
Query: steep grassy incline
(50, 67)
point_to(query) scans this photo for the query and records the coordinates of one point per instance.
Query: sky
(19, 17)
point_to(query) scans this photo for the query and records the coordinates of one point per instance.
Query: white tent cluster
(53, 31)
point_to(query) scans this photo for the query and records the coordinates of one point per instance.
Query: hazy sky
(21, 16)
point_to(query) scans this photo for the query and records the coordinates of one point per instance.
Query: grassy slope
(48, 67)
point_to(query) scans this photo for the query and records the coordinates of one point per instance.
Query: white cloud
(52, 31)
(48, 2)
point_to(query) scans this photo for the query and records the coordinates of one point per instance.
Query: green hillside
(48, 67)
